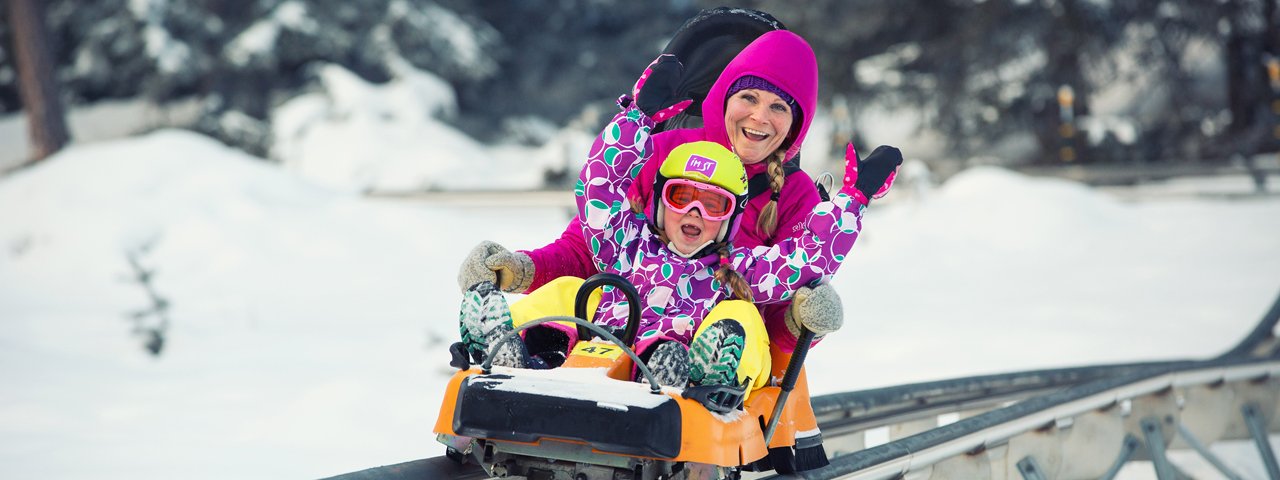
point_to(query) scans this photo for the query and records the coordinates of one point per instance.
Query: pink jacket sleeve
(565, 256)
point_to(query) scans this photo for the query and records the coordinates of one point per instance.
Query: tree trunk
(36, 84)
(1272, 27)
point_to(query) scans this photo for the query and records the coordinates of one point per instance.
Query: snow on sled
(587, 420)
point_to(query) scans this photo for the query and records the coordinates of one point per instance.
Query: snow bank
(390, 138)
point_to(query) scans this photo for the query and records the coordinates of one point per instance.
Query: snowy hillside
(395, 138)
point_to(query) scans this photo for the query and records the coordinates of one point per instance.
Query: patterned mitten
(490, 262)
(818, 309)
(871, 177)
(656, 91)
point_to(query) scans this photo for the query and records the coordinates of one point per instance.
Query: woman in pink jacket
(760, 107)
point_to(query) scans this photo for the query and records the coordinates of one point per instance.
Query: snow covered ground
(309, 325)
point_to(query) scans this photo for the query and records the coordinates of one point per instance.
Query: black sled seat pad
(609, 415)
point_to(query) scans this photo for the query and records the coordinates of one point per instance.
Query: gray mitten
(510, 271)
(818, 309)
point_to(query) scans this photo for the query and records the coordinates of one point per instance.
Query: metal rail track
(1017, 421)
(1211, 396)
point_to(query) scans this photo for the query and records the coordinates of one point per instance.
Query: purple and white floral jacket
(678, 292)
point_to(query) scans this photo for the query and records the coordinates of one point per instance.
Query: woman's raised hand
(656, 91)
(873, 176)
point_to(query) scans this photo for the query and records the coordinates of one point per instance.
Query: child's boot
(669, 364)
(485, 318)
(716, 353)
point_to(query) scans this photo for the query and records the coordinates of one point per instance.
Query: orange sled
(588, 420)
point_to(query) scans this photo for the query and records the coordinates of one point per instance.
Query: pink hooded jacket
(785, 60)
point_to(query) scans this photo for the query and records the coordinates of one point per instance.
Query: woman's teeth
(755, 134)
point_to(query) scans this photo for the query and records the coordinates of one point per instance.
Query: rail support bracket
(1030, 470)
(1155, 446)
(1129, 446)
(1204, 452)
(1257, 428)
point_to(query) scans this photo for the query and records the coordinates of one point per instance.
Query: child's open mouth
(754, 135)
(690, 231)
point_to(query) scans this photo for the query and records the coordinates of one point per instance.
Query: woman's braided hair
(729, 277)
(767, 222)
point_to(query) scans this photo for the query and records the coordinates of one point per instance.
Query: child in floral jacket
(698, 323)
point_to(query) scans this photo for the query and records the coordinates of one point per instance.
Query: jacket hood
(782, 58)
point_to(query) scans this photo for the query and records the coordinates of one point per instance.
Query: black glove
(656, 92)
(877, 171)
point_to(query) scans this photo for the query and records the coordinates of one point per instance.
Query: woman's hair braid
(767, 222)
(730, 277)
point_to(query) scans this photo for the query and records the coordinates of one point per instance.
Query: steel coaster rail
(875, 407)
(1058, 391)
(434, 467)
(872, 408)
(976, 433)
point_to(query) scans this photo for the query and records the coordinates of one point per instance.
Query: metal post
(1204, 452)
(1259, 431)
(1066, 123)
(1273, 78)
(1155, 446)
(1126, 450)
(1030, 470)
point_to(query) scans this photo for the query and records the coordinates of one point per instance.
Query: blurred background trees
(33, 60)
(1021, 82)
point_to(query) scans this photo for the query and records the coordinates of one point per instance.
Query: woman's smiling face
(757, 122)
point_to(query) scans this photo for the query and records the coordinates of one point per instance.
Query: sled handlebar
(789, 379)
(633, 302)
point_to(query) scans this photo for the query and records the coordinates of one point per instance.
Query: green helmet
(703, 162)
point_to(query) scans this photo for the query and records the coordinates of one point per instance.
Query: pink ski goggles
(713, 202)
